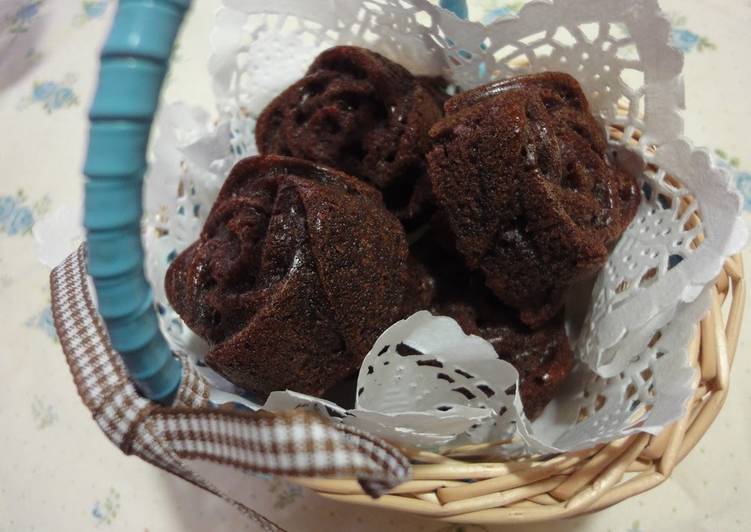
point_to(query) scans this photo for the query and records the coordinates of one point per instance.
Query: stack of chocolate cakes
(378, 195)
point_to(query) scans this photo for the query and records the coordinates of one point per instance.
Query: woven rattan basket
(458, 490)
(571, 484)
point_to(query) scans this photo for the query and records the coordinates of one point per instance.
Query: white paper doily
(634, 372)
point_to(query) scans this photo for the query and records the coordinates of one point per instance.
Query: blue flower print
(21, 20)
(15, 218)
(7, 207)
(105, 511)
(52, 95)
(42, 91)
(21, 221)
(685, 40)
(91, 10)
(29, 11)
(44, 414)
(62, 97)
(43, 321)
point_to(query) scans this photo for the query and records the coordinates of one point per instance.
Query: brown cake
(437, 86)
(440, 282)
(542, 356)
(360, 113)
(519, 172)
(296, 272)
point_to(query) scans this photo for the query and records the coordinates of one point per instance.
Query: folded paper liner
(631, 340)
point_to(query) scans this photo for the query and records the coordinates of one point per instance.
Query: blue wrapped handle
(459, 7)
(134, 61)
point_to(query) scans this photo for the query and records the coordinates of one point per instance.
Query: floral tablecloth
(58, 472)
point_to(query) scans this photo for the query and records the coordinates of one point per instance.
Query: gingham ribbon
(291, 444)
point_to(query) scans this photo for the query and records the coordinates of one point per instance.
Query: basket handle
(458, 7)
(133, 61)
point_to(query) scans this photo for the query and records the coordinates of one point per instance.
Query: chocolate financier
(542, 356)
(440, 282)
(519, 172)
(296, 272)
(361, 113)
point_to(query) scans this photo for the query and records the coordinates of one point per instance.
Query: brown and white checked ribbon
(291, 444)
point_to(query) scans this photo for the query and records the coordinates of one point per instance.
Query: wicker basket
(445, 488)
(571, 484)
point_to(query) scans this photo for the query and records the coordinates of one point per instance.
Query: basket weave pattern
(570, 484)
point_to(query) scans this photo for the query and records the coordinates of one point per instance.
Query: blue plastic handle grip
(458, 7)
(134, 61)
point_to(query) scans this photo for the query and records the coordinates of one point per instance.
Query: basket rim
(575, 483)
